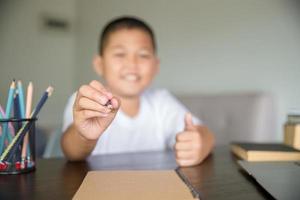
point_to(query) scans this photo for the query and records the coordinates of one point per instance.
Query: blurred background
(208, 47)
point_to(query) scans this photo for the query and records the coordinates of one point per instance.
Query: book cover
(265, 151)
(131, 185)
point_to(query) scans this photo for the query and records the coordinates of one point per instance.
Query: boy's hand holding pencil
(93, 110)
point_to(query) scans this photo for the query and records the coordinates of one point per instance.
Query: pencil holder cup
(17, 146)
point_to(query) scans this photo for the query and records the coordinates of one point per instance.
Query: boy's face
(128, 63)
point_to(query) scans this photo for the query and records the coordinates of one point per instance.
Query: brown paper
(133, 185)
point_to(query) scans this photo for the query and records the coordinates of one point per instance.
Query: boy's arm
(93, 111)
(74, 146)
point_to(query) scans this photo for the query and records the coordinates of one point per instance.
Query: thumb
(188, 120)
(115, 103)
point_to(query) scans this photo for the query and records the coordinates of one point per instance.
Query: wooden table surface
(219, 177)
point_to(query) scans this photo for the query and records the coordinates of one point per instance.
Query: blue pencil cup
(17, 146)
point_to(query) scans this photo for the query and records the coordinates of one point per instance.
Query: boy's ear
(98, 65)
(157, 66)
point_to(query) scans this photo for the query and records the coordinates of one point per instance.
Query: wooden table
(219, 177)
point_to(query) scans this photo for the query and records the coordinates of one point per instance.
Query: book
(293, 119)
(292, 135)
(265, 152)
(293, 116)
(132, 185)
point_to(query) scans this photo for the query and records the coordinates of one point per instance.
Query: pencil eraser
(3, 166)
(18, 165)
(29, 163)
(23, 164)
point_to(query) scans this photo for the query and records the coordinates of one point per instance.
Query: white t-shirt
(160, 118)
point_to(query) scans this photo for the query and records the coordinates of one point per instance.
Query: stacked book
(289, 150)
(292, 130)
(265, 151)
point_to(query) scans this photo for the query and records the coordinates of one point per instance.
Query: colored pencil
(21, 99)
(22, 111)
(25, 146)
(7, 111)
(17, 112)
(17, 123)
(2, 116)
(11, 148)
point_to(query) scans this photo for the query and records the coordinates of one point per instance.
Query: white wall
(209, 46)
(29, 52)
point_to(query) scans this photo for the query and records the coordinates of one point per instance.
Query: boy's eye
(119, 55)
(145, 55)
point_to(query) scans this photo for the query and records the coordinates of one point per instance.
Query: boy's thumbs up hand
(188, 121)
(189, 144)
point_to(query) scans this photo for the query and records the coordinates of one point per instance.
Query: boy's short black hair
(126, 22)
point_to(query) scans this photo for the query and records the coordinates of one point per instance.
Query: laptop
(280, 179)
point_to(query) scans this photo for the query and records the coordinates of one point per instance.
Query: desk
(218, 177)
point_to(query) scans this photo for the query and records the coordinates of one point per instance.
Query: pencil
(11, 148)
(25, 147)
(2, 116)
(21, 99)
(7, 111)
(17, 123)
(17, 112)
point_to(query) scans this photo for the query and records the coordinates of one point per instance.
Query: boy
(123, 115)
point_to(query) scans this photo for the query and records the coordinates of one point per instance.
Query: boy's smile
(128, 63)
(131, 77)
